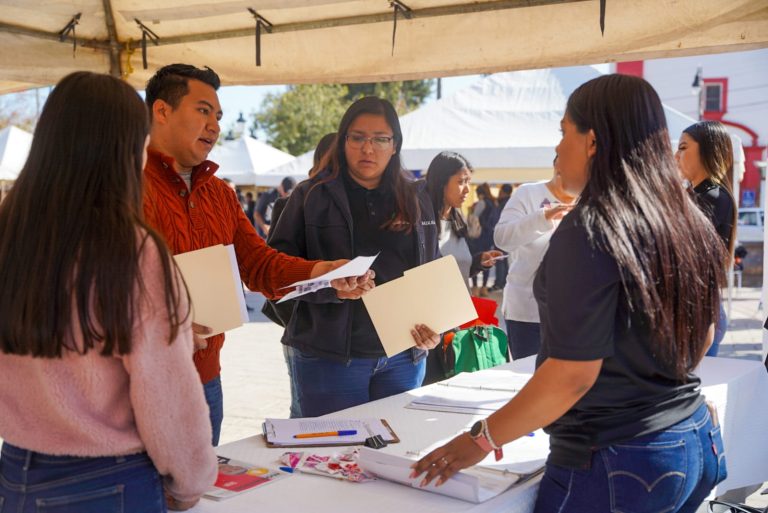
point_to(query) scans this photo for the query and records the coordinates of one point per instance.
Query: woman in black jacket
(362, 203)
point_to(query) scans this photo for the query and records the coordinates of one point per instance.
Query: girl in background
(705, 158)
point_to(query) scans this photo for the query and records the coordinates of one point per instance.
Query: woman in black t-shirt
(628, 293)
(705, 158)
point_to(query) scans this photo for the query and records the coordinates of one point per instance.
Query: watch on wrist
(479, 434)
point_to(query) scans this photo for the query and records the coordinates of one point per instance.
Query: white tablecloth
(738, 387)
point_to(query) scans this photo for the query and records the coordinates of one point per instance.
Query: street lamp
(697, 87)
(239, 126)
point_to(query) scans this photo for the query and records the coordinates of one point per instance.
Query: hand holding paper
(336, 275)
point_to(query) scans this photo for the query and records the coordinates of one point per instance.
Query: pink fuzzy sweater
(149, 400)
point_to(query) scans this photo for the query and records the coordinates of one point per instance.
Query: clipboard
(366, 428)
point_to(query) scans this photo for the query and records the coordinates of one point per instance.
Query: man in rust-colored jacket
(194, 209)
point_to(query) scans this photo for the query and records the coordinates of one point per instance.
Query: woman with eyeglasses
(705, 158)
(628, 293)
(361, 203)
(101, 406)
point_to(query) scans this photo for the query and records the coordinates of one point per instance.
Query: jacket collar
(161, 165)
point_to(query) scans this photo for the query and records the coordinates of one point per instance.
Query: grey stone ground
(256, 383)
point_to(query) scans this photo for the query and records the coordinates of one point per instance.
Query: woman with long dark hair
(628, 293)
(97, 387)
(362, 203)
(448, 178)
(705, 158)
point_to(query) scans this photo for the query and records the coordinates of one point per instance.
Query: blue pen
(345, 432)
(530, 434)
(287, 469)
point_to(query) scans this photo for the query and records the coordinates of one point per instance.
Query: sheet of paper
(462, 400)
(282, 431)
(433, 294)
(355, 267)
(472, 485)
(213, 280)
(489, 379)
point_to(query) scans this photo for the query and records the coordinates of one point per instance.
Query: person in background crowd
(250, 206)
(448, 178)
(281, 313)
(705, 158)
(193, 209)
(95, 340)
(263, 213)
(524, 228)
(362, 203)
(621, 335)
(502, 265)
(323, 145)
(484, 209)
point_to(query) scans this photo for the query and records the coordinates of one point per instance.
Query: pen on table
(347, 432)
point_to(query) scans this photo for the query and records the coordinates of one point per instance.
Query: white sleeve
(520, 222)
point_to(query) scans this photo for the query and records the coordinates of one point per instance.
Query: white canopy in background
(245, 160)
(352, 40)
(507, 125)
(14, 148)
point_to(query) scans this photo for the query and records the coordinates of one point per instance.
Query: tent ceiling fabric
(351, 41)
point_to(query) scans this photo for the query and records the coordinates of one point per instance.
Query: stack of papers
(318, 432)
(236, 477)
(475, 484)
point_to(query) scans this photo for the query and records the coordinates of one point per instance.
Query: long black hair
(72, 230)
(716, 155)
(634, 206)
(395, 177)
(441, 169)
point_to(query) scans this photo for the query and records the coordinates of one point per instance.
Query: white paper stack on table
(213, 280)
(472, 393)
(475, 484)
(433, 294)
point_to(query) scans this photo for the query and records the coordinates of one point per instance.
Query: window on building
(713, 97)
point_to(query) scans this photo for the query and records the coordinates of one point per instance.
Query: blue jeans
(720, 326)
(295, 411)
(325, 385)
(670, 471)
(524, 338)
(31, 482)
(215, 399)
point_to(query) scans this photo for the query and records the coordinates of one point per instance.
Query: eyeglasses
(379, 142)
(726, 507)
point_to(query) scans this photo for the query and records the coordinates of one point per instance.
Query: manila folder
(433, 294)
(213, 281)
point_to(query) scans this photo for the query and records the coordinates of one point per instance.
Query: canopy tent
(244, 160)
(310, 41)
(296, 168)
(14, 148)
(507, 125)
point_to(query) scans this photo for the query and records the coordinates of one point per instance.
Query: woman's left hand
(424, 337)
(445, 461)
(487, 257)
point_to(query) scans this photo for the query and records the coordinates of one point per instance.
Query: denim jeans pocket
(719, 450)
(646, 478)
(106, 500)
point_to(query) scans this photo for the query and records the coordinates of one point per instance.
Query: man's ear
(591, 143)
(160, 111)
